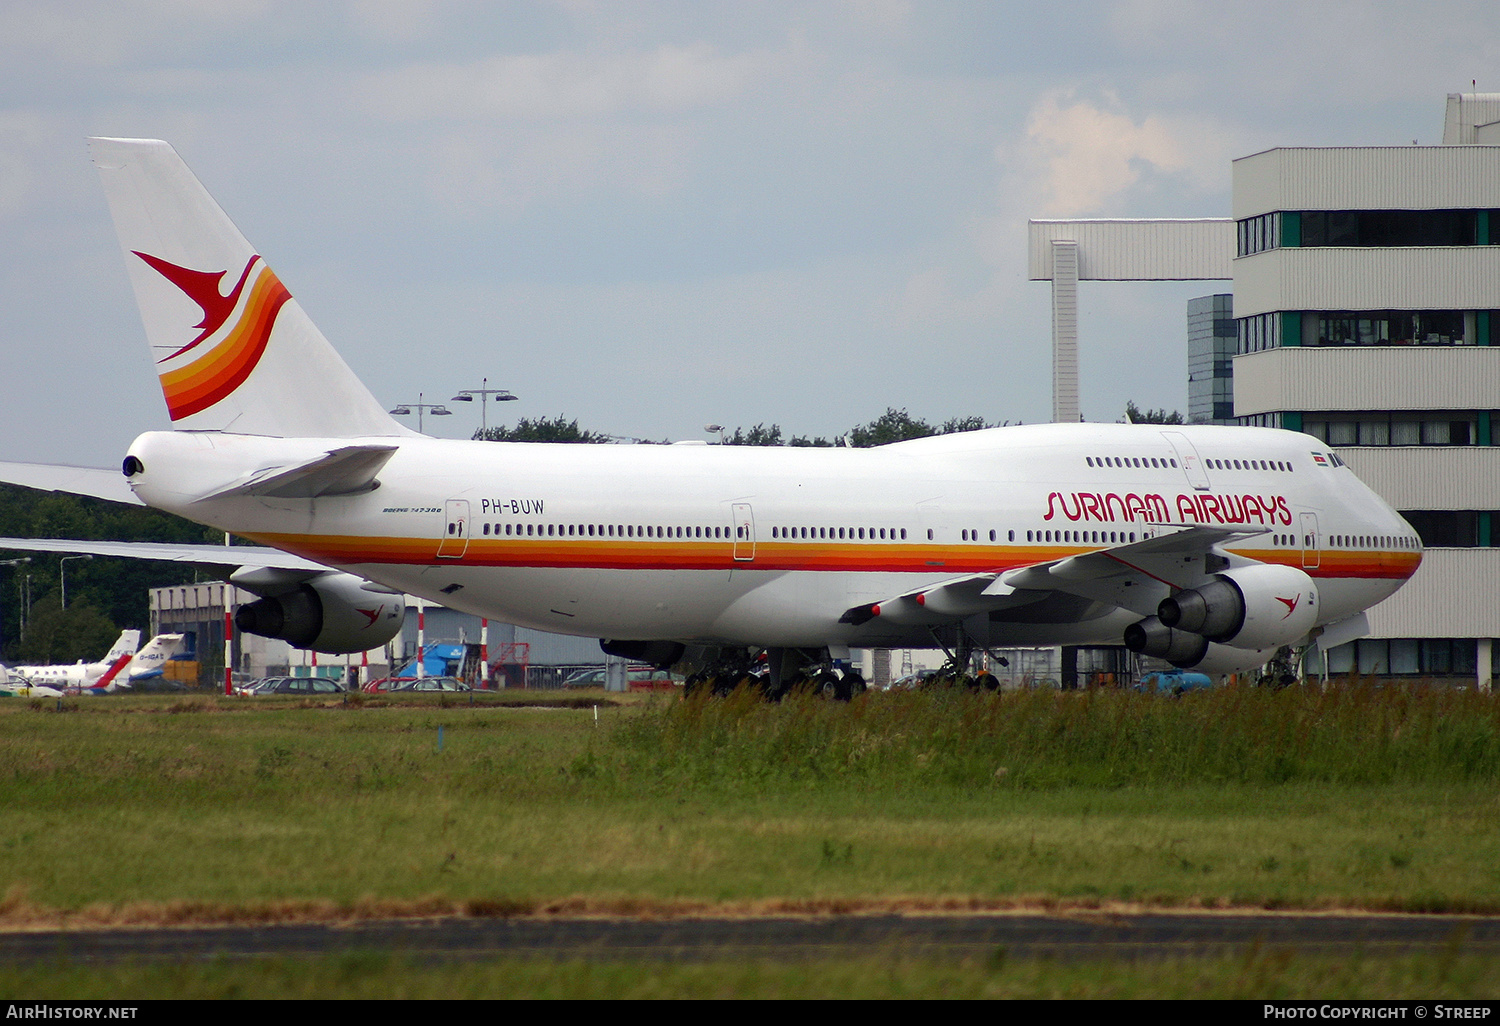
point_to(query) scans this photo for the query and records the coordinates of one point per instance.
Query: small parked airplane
(149, 662)
(82, 674)
(1216, 548)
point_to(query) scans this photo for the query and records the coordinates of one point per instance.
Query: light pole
(404, 410)
(502, 395)
(62, 575)
(711, 428)
(20, 619)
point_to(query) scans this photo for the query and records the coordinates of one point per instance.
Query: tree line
(891, 426)
(105, 594)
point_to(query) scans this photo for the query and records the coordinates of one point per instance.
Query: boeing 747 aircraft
(1211, 547)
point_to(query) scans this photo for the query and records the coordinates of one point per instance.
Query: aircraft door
(1312, 548)
(455, 540)
(744, 532)
(1187, 459)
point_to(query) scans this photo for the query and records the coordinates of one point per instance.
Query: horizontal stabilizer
(98, 482)
(349, 470)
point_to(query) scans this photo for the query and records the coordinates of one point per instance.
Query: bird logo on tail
(211, 376)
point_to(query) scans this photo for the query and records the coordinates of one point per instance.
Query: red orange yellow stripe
(216, 374)
(643, 554)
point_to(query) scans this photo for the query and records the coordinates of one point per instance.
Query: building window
(1398, 328)
(1452, 528)
(1258, 333)
(1258, 234)
(1385, 429)
(1387, 228)
(1413, 657)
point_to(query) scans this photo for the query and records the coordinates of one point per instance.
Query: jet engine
(1251, 607)
(334, 613)
(1234, 622)
(1190, 651)
(1153, 638)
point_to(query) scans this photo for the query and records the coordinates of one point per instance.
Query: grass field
(1256, 974)
(141, 810)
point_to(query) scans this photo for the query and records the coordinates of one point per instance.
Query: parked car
(431, 684)
(251, 687)
(292, 686)
(637, 678)
(590, 678)
(645, 678)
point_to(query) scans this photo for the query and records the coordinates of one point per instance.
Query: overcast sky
(650, 216)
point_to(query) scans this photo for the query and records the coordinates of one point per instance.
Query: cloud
(887, 15)
(395, 21)
(563, 84)
(519, 167)
(1089, 155)
(23, 132)
(104, 33)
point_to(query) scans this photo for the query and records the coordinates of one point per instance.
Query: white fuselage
(769, 546)
(63, 675)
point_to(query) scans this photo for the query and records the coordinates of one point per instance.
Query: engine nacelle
(1249, 607)
(1153, 638)
(1189, 651)
(333, 613)
(1228, 659)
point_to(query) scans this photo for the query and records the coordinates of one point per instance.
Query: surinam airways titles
(1152, 508)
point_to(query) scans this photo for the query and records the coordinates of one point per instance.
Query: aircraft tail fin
(125, 644)
(108, 681)
(234, 350)
(152, 660)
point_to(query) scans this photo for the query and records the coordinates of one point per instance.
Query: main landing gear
(1284, 669)
(959, 667)
(775, 673)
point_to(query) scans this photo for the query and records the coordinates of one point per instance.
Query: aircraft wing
(98, 482)
(1134, 576)
(215, 555)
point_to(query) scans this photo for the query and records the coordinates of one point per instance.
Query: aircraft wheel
(856, 683)
(841, 689)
